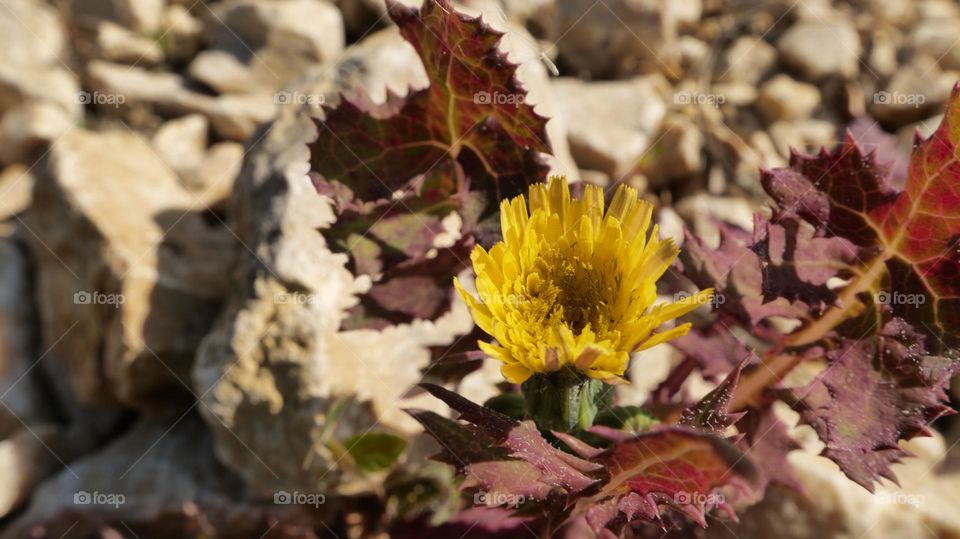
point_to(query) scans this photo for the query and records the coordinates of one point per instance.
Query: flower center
(579, 293)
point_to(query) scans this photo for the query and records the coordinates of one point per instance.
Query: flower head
(570, 285)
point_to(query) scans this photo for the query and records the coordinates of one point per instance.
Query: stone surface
(213, 178)
(233, 117)
(677, 152)
(611, 124)
(126, 322)
(225, 73)
(182, 143)
(31, 32)
(158, 479)
(277, 39)
(137, 15)
(28, 128)
(116, 43)
(937, 37)
(747, 60)
(918, 90)
(821, 48)
(16, 186)
(782, 98)
(24, 461)
(182, 33)
(804, 135)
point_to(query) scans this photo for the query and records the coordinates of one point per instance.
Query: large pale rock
(276, 39)
(277, 359)
(124, 89)
(20, 83)
(30, 32)
(677, 153)
(182, 142)
(937, 37)
(225, 73)
(24, 460)
(157, 478)
(129, 272)
(182, 33)
(30, 127)
(917, 90)
(822, 47)
(611, 124)
(116, 43)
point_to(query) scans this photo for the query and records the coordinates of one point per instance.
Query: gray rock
(677, 153)
(126, 322)
(822, 48)
(782, 98)
(157, 476)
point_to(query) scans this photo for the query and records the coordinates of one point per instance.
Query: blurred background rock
(158, 232)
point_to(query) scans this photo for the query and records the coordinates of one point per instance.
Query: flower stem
(564, 400)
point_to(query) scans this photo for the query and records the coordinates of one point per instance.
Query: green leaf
(375, 451)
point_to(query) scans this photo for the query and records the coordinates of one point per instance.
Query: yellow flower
(572, 286)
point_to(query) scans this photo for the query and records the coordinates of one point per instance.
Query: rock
(702, 211)
(677, 152)
(30, 33)
(141, 16)
(738, 94)
(116, 43)
(159, 478)
(122, 88)
(747, 60)
(896, 12)
(618, 38)
(125, 323)
(782, 98)
(30, 127)
(212, 180)
(883, 53)
(23, 400)
(225, 73)
(182, 33)
(278, 38)
(918, 90)
(611, 124)
(804, 135)
(182, 142)
(937, 38)
(277, 359)
(16, 186)
(821, 48)
(20, 83)
(25, 459)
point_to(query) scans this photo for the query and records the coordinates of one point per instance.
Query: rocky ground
(164, 368)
